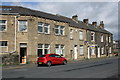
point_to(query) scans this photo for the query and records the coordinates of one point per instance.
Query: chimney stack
(94, 24)
(75, 17)
(101, 24)
(85, 21)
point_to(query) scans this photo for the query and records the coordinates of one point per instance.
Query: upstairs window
(43, 28)
(22, 26)
(3, 24)
(92, 36)
(81, 35)
(3, 43)
(101, 37)
(109, 39)
(40, 27)
(59, 30)
(71, 33)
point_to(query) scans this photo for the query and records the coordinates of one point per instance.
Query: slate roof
(26, 11)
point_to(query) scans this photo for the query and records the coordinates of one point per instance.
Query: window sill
(81, 40)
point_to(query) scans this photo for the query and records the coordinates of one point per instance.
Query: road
(95, 68)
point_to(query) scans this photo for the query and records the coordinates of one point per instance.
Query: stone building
(30, 33)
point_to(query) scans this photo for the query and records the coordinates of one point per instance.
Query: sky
(94, 11)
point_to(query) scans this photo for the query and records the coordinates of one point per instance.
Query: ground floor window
(59, 49)
(43, 49)
(92, 51)
(81, 50)
(3, 44)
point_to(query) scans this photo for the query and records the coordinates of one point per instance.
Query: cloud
(94, 11)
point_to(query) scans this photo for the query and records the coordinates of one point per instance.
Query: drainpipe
(15, 32)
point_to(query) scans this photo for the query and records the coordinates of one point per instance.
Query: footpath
(19, 66)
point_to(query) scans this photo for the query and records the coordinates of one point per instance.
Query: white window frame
(4, 43)
(93, 36)
(42, 25)
(60, 49)
(71, 33)
(59, 30)
(43, 48)
(4, 24)
(62, 29)
(81, 50)
(81, 35)
(48, 28)
(102, 37)
(109, 39)
(20, 24)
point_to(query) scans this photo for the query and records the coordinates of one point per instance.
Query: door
(75, 52)
(98, 52)
(88, 52)
(23, 53)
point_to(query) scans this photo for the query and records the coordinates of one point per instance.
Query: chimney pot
(101, 24)
(75, 17)
(94, 23)
(85, 21)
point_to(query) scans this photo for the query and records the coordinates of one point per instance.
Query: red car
(50, 59)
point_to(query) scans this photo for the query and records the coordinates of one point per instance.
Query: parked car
(50, 59)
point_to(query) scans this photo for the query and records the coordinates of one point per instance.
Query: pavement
(33, 64)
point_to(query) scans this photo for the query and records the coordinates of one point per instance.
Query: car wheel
(64, 62)
(48, 63)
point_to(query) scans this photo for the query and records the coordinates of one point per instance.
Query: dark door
(22, 54)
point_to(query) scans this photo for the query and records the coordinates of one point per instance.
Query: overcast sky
(94, 11)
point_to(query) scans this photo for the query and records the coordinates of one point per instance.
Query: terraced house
(30, 33)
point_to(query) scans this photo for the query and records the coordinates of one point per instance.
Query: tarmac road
(95, 68)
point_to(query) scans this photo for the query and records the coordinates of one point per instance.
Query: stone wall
(10, 59)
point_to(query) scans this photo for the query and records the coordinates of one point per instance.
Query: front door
(75, 52)
(88, 52)
(23, 53)
(98, 52)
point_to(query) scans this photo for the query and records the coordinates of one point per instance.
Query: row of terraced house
(31, 33)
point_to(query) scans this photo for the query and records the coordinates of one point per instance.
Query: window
(109, 39)
(43, 49)
(62, 30)
(81, 50)
(101, 37)
(3, 43)
(81, 35)
(43, 28)
(92, 36)
(59, 49)
(92, 51)
(46, 28)
(3, 25)
(22, 26)
(40, 27)
(59, 30)
(71, 33)
(102, 50)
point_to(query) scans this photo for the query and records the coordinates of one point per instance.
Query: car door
(58, 59)
(52, 58)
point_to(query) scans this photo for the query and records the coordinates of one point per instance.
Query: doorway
(75, 52)
(23, 52)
